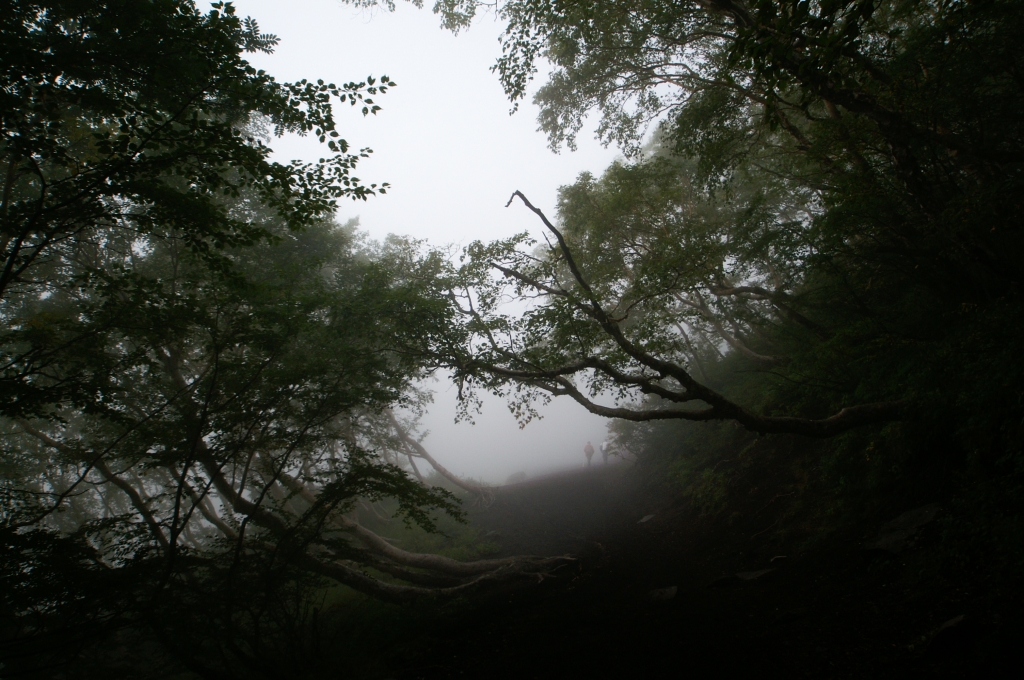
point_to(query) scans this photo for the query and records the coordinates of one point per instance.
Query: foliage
(194, 354)
(124, 119)
(208, 394)
(829, 202)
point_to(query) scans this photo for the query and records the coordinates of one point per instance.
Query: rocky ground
(658, 590)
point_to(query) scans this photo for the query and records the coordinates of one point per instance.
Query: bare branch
(137, 501)
(721, 408)
(403, 434)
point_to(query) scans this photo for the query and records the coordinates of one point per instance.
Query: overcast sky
(446, 143)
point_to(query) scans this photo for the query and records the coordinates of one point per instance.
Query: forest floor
(727, 595)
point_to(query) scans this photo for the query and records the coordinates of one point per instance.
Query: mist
(493, 446)
(447, 144)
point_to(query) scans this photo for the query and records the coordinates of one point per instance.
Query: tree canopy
(199, 363)
(829, 200)
(140, 118)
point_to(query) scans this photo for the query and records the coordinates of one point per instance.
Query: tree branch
(721, 407)
(133, 495)
(403, 434)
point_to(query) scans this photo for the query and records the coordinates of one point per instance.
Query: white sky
(453, 156)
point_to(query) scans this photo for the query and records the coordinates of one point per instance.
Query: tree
(229, 438)
(844, 213)
(900, 119)
(197, 359)
(141, 117)
(622, 327)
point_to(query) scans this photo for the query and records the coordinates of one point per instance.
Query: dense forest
(805, 268)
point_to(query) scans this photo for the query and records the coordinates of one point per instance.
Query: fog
(495, 447)
(453, 155)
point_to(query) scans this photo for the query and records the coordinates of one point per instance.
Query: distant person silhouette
(589, 450)
(604, 451)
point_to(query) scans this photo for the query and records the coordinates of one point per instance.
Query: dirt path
(827, 611)
(564, 512)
